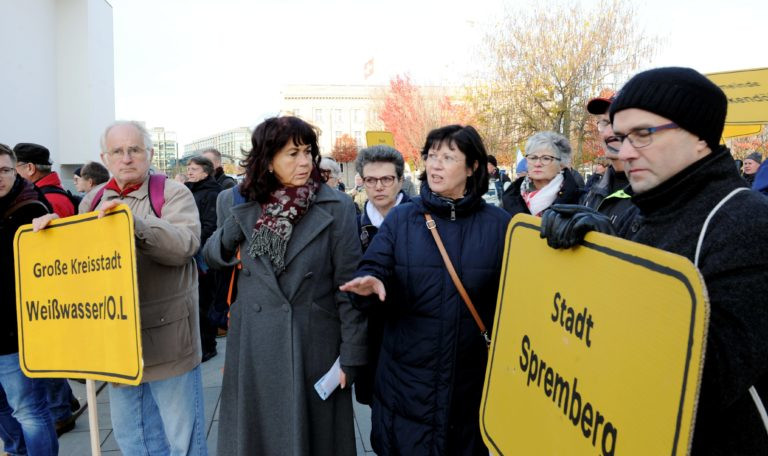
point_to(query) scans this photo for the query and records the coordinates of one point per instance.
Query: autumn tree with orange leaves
(410, 111)
(344, 149)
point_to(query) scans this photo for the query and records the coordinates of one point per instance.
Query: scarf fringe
(266, 242)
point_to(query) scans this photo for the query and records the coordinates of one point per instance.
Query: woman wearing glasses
(548, 182)
(429, 378)
(381, 175)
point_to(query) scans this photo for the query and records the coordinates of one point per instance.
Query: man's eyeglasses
(639, 137)
(544, 159)
(602, 124)
(132, 152)
(372, 182)
(7, 172)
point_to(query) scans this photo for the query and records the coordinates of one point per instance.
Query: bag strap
(432, 227)
(156, 192)
(21, 204)
(752, 391)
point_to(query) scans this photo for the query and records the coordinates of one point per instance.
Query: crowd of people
(389, 287)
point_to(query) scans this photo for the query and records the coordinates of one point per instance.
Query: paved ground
(77, 442)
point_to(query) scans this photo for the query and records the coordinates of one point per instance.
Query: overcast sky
(197, 67)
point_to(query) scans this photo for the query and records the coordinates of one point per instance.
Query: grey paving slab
(213, 438)
(77, 442)
(363, 428)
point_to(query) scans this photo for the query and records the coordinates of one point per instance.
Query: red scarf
(112, 185)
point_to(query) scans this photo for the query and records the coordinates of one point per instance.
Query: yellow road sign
(77, 302)
(738, 131)
(747, 92)
(374, 138)
(596, 349)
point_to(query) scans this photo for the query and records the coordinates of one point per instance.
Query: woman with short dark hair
(429, 378)
(296, 240)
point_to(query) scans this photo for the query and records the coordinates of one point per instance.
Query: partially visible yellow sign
(77, 303)
(597, 350)
(738, 131)
(374, 138)
(747, 92)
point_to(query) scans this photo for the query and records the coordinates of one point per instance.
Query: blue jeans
(26, 397)
(164, 417)
(10, 429)
(60, 397)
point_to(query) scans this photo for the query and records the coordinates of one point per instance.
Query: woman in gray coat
(297, 242)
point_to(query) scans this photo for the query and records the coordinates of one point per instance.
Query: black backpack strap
(21, 204)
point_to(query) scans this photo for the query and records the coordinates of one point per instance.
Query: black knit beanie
(682, 95)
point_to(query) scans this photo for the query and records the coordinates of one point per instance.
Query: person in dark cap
(751, 165)
(608, 195)
(34, 164)
(692, 202)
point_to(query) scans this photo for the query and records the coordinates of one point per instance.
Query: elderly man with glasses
(164, 414)
(691, 201)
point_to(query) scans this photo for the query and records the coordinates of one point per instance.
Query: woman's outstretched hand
(365, 286)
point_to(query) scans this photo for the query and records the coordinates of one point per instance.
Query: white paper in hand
(329, 381)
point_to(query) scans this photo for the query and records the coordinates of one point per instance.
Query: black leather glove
(565, 225)
(231, 234)
(352, 372)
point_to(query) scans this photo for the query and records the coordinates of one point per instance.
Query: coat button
(257, 307)
(308, 275)
(286, 307)
(162, 320)
(245, 272)
(635, 226)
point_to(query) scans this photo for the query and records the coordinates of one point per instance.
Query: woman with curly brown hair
(297, 242)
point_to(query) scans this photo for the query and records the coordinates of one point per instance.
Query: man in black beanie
(690, 200)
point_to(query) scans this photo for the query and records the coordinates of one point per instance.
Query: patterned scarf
(285, 207)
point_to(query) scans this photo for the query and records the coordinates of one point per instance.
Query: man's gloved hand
(231, 234)
(565, 225)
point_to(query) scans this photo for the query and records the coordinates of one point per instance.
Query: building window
(356, 115)
(338, 115)
(318, 115)
(359, 138)
(338, 135)
(297, 112)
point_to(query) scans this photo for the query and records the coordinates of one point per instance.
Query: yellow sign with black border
(596, 349)
(747, 92)
(77, 305)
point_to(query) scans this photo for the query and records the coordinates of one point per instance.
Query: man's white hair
(137, 125)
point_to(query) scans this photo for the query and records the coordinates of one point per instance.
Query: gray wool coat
(286, 331)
